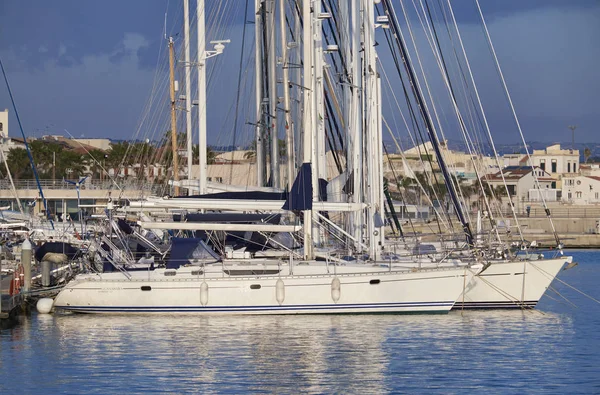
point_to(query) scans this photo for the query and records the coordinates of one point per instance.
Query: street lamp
(573, 127)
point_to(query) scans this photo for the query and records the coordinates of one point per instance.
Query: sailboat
(211, 284)
(508, 280)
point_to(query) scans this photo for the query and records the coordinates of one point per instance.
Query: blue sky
(89, 67)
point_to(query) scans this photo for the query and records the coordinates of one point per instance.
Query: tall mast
(307, 124)
(201, 96)
(260, 160)
(286, 97)
(319, 109)
(317, 112)
(173, 116)
(271, 72)
(355, 135)
(372, 130)
(188, 85)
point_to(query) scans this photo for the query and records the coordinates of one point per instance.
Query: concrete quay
(580, 232)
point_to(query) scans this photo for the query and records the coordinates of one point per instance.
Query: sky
(90, 69)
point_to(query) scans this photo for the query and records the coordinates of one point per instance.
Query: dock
(10, 303)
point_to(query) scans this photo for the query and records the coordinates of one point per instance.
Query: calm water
(555, 349)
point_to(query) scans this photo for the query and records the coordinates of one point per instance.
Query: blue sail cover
(300, 197)
(323, 189)
(124, 226)
(184, 249)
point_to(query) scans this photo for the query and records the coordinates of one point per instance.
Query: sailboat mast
(272, 77)
(173, 115)
(260, 160)
(286, 97)
(307, 124)
(374, 187)
(188, 85)
(201, 96)
(355, 133)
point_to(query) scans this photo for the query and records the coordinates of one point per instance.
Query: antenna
(573, 127)
(165, 24)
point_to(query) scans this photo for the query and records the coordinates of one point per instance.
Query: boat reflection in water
(352, 354)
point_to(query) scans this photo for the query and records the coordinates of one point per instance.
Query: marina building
(521, 183)
(581, 190)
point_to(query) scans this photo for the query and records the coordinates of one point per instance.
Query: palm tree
(586, 154)
(18, 163)
(210, 155)
(251, 154)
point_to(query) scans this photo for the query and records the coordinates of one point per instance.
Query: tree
(586, 154)
(210, 155)
(70, 165)
(251, 154)
(281, 150)
(18, 163)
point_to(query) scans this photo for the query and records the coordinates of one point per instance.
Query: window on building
(574, 167)
(596, 195)
(511, 190)
(1, 127)
(578, 194)
(554, 165)
(569, 195)
(568, 167)
(553, 184)
(543, 164)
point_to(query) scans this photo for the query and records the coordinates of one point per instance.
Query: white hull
(310, 290)
(510, 284)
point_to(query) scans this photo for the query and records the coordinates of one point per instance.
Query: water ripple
(554, 351)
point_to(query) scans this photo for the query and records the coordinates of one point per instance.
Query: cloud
(94, 96)
(62, 50)
(548, 57)
(131, 45)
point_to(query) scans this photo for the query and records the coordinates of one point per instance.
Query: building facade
(581, 190)
(520, 181)
(558, 162)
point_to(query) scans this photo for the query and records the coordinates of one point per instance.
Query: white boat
(308, 286)
(516, 284)
(263, 288)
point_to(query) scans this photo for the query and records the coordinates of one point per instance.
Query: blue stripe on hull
(494, 305)
(384, 307)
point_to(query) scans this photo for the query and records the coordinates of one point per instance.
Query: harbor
(320, 196)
